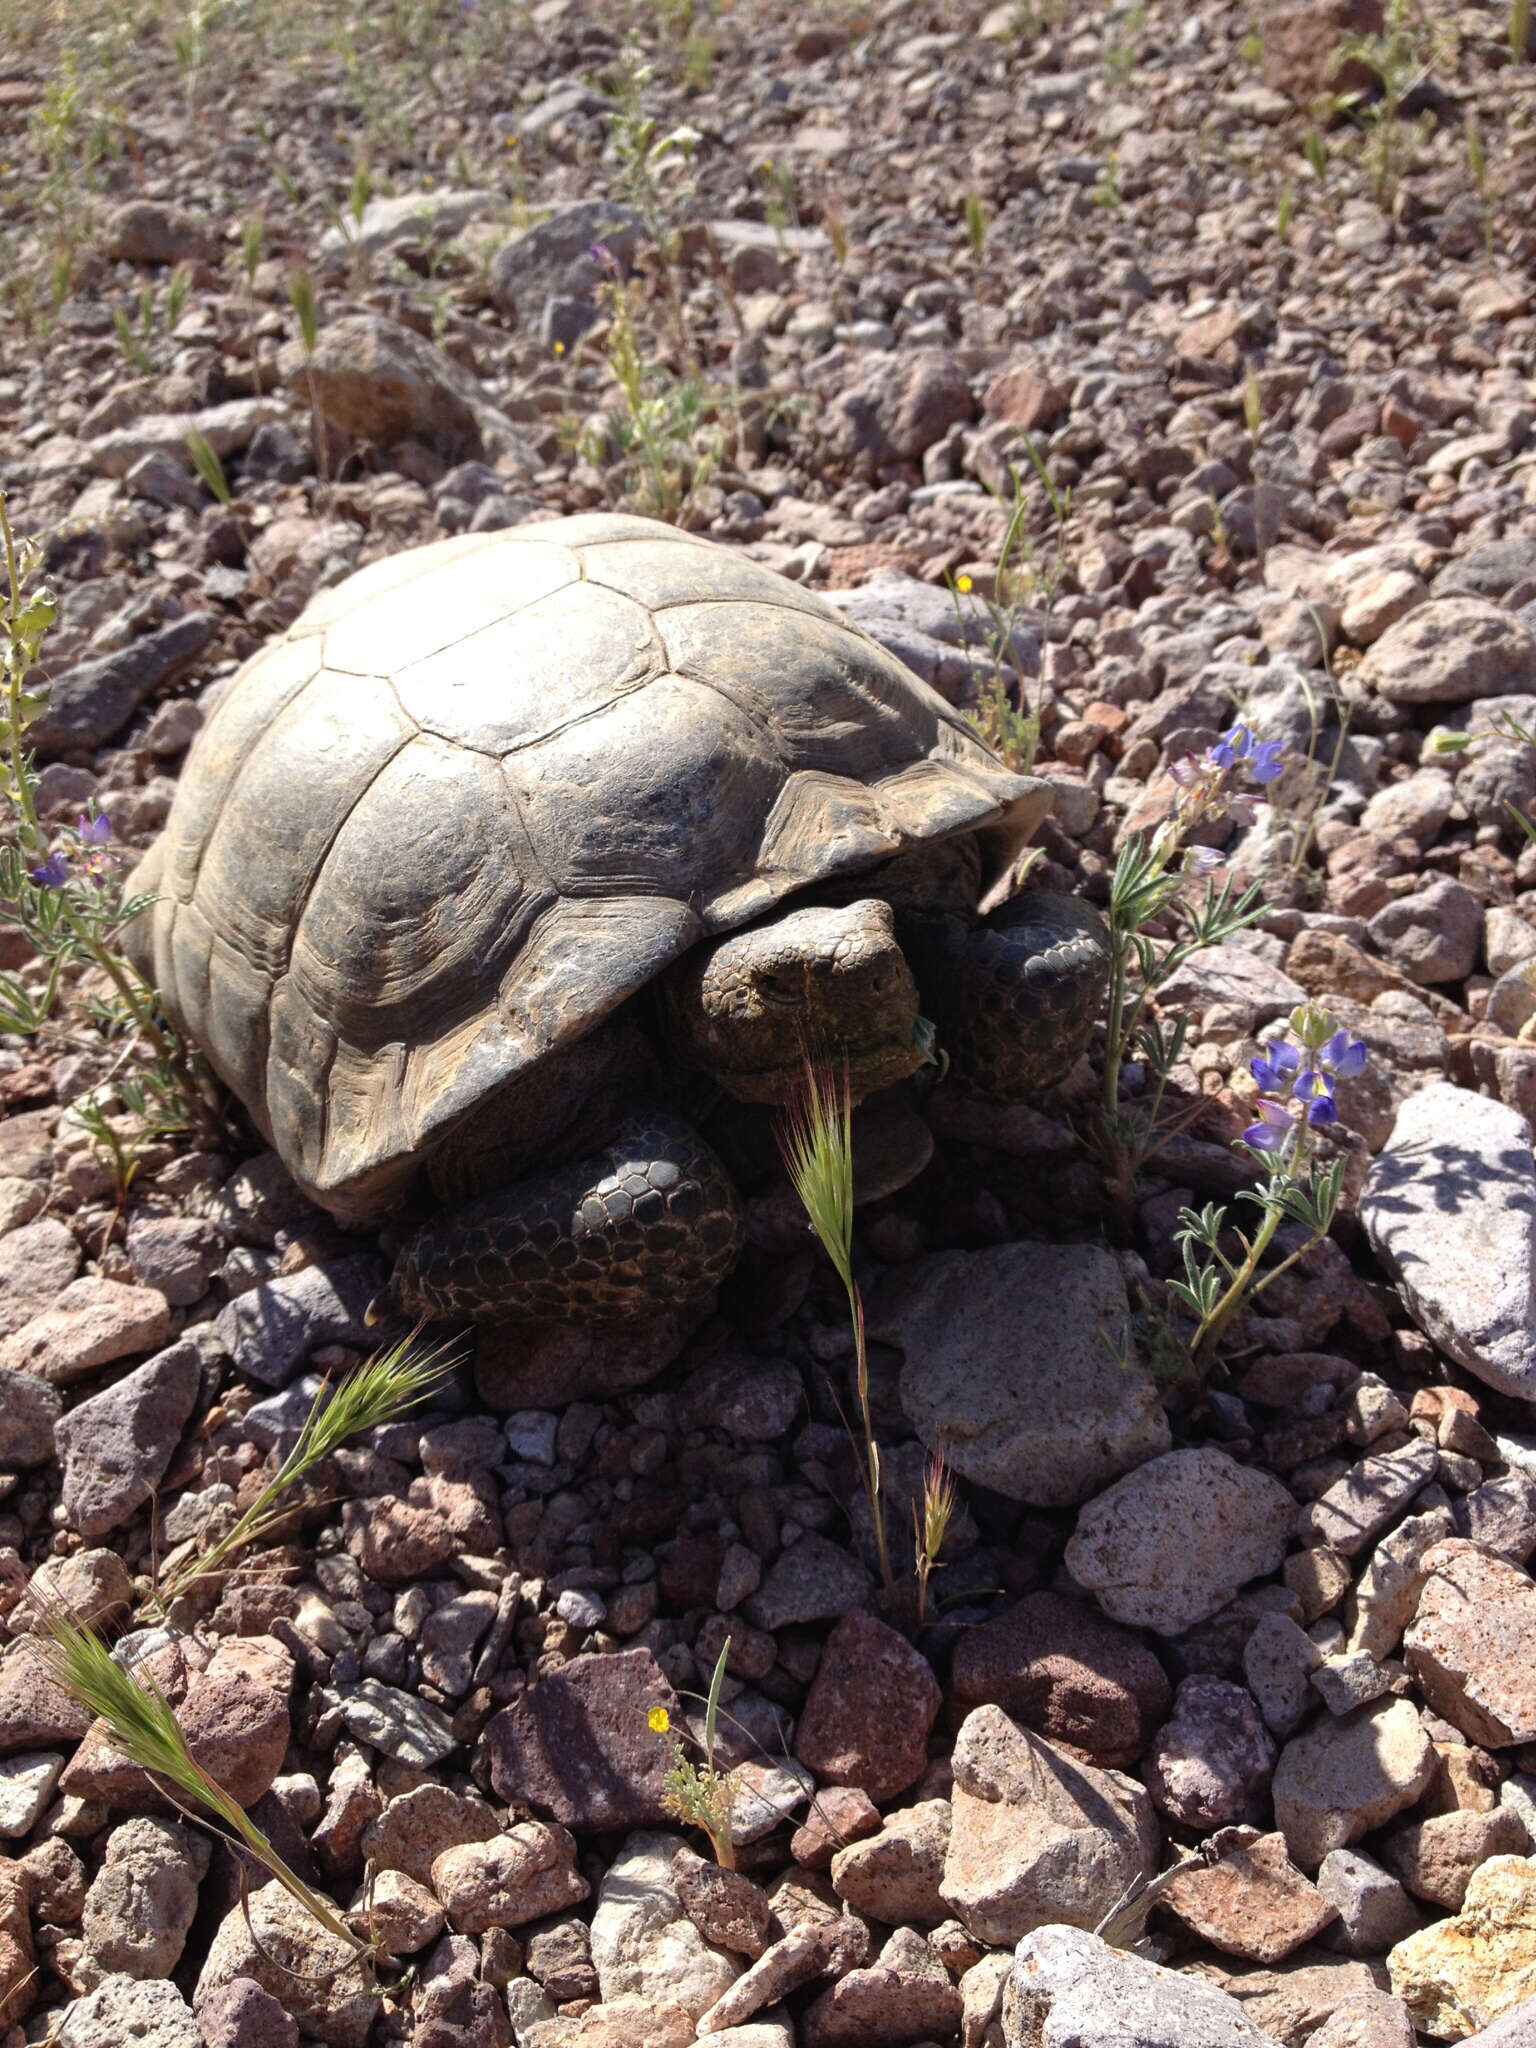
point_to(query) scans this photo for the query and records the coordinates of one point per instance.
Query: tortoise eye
(776, 986)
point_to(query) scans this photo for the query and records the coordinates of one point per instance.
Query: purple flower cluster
(1223, 783)
(1297, 1080)
(93, 837)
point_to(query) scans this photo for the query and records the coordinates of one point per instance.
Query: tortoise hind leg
(1014, 996)
(651, 1221)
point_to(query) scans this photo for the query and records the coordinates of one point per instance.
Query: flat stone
(29, 1414)
(116, 1445)
(35, 1711)
(1367, 2019)
(872, 1702)
(1472, 1644)
(1463, 1974)
(375, 380)
(143, 1900)
(1171, 1543)
(1341, 1778)
(1007, 1367)
(509, 1879)
(578, 1746)
(90, 703)
(727, 1908)
(272, 1938)
(17, 1955)
(25, 1785)
(1387, 1596)
(242, 2015)
(1070, 1987)
(271, 1329)
(36, 1262)
(1450, 651)
(1211, 1762)
(1449, 1206)
(813, 1580)
(397, 1723)
(1279, 1659)
(1038, 1836)
(1235, 977)
(1373, 1909)
(1252, 1902)
(644, 1945)
(840, 1815)
(1062, 1669)
(92, 1323)
(1435, 934)
(806, 1952)
(124, 2009)
(1368, 1497)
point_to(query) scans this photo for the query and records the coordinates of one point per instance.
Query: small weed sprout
(976, 223)
(1152, 883)
(930, 1525)
(779, 206)
(817, 1143)
(1477, 166)
(1401, 57)
(1297, 1077)
(656, 435)
(145, 1730)
(656, 176)
(380, 1391)
(701, 1795)
(1520, 30)
(61, 892)
(301, 297)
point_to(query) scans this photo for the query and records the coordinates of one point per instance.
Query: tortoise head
(826, 981)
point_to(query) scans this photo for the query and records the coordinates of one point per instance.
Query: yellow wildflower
(962, 584)
(660, 1720)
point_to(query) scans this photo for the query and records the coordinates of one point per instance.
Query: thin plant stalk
(818, 1151)
(377, 1392)
(145, 1730)
(930, 1525)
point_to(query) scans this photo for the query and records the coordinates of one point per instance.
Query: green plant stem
(31, 830)
(872, 1480)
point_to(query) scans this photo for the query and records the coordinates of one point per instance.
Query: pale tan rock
(513, 1878)
(895, 1876)
(1253, 1902)
(1461, 1974)
(1342, 1777)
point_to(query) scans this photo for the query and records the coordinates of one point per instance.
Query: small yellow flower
(660, 1720)
(559, 348)
(962, 584)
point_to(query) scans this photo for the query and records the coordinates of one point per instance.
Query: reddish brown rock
(1301, 47)
(235, 1714)
(1253, 1902)
(905, 1996)
(870, 1707)
(1435, 1858)
(579, 1747)
(1060, 1667)
(839, 1815)
(1025, 398)
(1472, 1644)
(17, 1974)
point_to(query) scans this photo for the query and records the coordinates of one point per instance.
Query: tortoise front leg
(1014, 996)
(650, 1222)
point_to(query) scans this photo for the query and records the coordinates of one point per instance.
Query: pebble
(274, 1940)
(1368, 1497)
(1171, 1543)
(150, 2015)
(29, 1416)
(1061, 1668)
(644, 1942)
(1211, 1762)
(1037, 1835)
(1342, 1777)
(813, 1580)
(1472, 1644)
(115, 1446)
(1449, 651)
(1007, 1368)
(1373, 1909)
(1279, 1659)
(143, 1900)
(1387, 1595)
(26, 1783)
(1252, 1902)
(1435, 1857)
(396, 1722)
(243, 2015)
(894, 1875)
(871, 1705)
(905, 1995)
(508, 1879)
(91, 1323)
(271, 1329)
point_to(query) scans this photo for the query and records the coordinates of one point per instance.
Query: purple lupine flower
(1275, 1066)
(94, 835)
(1203, 860)
(95, 831)
(1234, 746)
(1272, 1130)
(1343, 1055)
(1267, 761)
(52, 874)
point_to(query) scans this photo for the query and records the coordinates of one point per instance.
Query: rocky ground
(1288, 1618)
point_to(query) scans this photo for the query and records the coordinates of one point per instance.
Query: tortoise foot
(650, 1222)
(1015, 996)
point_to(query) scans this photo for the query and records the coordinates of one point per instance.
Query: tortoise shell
(483, 791)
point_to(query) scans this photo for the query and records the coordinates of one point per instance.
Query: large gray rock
(1069, 1989)
(1450, 1209)
(1008, 1368)
(378, 383)
(1169, 1545)
(555, 255)
(404, 217)
(143, 1900)
(1038, 1836)
(123, 2010)
(270, 1330)
(115, 1446)
(1452, 650)
(946, 639)
(93, 701)
(29, 1415)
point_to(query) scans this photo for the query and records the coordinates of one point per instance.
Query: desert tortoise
(510, 834)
